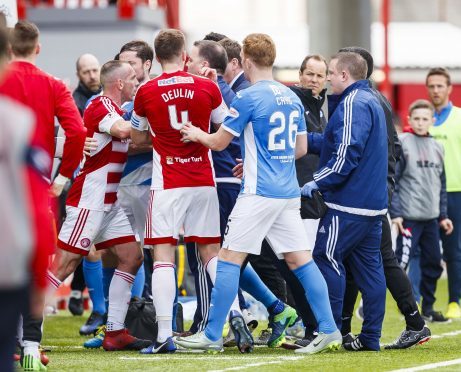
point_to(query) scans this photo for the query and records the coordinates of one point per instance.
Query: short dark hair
(354, 63)
(214, 36)
(365, 54)
(168, 44)
(143, 50)
(420, 104)
(316, 57)
(24, 38)
(109, 68)
(4, 43)
(233, 49)
(214, 53)
(439, 71)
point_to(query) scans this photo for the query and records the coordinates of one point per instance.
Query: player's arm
(70, 120)
(121, 129)
(301, 146)
(140, 135)
(215, 141)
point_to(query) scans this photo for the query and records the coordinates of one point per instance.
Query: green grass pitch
(61, 334)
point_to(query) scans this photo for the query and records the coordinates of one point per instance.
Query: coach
(352, 178)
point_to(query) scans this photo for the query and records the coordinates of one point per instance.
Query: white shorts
(256, 217)
(84, 227)
(196, 209)
(311, 227)
(134, 200)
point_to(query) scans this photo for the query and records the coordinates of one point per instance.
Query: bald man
(89, 84)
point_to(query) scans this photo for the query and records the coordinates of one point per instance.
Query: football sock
(252, 283)
(138, 285)
(211, 268)
(31, 348)
(107, 274)
(414, 321)
(346, 325)
(163, 294)
(276, 307)
(316, 291)
(175, 302)
(92, 272)
(54, 282)
(119, 299)
(224, 292)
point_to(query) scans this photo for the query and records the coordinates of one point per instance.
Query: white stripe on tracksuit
(331, 242)
(204, 291)
(346, 139)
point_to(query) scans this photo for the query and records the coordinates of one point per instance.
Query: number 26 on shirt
(277, 134)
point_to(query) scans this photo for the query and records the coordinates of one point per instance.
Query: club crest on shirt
(233, 113)
(169, 160)
(85, 242)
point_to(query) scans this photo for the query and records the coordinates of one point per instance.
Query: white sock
(52, 280)
(119, 299)
(163, 294)
(31, 348)
(211, 267)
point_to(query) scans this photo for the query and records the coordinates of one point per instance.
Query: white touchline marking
(426, 367)
(250, 365)
(209, 357)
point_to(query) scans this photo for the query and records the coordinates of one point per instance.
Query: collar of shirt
(235, 79)
(441, 116)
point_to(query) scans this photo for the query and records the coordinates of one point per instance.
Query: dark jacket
(353, 153)
(81, 96)
(316, 123)
(240, 83)
(393, 143)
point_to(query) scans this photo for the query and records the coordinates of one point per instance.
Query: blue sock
(175, 303)
(276, 308)
(138, 285)
(222, 296)
(107, 274)
(92, 271)
(252, 283)
(316, 291)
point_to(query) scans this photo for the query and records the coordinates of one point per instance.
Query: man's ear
(148, 64)
(38, 48)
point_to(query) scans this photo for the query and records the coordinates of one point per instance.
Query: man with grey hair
(89, 84)
(352, 179)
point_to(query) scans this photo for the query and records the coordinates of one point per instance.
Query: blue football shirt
(267, 117)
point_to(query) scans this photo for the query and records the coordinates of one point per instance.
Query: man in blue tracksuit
(352, 178)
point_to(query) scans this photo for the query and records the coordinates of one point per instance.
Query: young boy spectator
(419, 205)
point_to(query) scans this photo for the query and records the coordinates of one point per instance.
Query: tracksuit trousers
(424, 234)
(345, 239)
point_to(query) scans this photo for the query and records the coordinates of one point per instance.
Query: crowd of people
(216, 152)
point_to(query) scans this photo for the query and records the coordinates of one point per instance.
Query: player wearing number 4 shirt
(269, 119)
(93, 213)
(183, 193)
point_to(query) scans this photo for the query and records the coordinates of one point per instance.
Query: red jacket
(48, 98)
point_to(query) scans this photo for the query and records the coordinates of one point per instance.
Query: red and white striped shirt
(96, 185)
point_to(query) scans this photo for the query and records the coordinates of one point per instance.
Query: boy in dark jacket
(419, 205)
